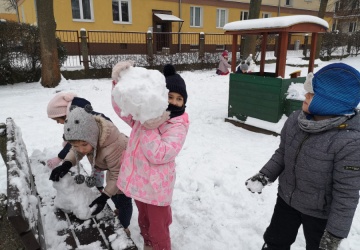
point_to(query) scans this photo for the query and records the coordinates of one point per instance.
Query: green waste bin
(261, 97)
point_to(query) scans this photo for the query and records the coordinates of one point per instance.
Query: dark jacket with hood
(319, 173)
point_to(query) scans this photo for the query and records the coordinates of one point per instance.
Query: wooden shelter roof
(277, 25)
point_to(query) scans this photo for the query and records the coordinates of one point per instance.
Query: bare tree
(321, 14)
(50, 67)
(11, 5)
(250, 40)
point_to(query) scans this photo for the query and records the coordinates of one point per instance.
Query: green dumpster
(261, 97)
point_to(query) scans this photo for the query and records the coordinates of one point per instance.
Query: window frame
(265, 13)
(218, 17)
(120, 15)
(242, 15)
(288, 4)
(193, 11)
(81, 19)
(352, 27)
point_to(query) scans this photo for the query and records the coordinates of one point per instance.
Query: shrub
(20, 57)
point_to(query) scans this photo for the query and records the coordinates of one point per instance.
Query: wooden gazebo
(262, 95)
(283, 26)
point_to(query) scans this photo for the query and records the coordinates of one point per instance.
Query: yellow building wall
(8, 16)
(141, 12)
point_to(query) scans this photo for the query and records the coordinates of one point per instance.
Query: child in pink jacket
(148, 173)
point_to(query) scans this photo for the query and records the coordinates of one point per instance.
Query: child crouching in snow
(317, 164)
(104, 145)
(57, 109)
(148, 169)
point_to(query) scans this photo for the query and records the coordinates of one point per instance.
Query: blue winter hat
(337, 90)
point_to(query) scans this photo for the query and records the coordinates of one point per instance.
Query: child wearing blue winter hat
(317, 164)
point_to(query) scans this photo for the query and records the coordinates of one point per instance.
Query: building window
(244, 15)
(337, 6)
(266, 15)
(195, 16)
(352, 27)
(121, 10)
(82, 9)
(221, 17)
(333, 28)
(288, 2)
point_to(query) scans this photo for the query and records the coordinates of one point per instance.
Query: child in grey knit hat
(103, 144)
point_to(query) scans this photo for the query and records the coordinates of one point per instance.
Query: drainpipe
(278, 14)
(180, 24)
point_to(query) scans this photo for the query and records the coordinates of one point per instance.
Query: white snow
(141, 93)
(212, 208)
(68, 198)
(274, 22)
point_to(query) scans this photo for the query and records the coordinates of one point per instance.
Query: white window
(266, 15)
(221, 17)
(244, 15)
(337, 6)
(333, 27)
(352, 27)
(82, 10)
(288, 2)
(121, 10)
(195, 16)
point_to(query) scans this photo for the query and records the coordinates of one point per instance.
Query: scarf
(175, 110)
(307, 124)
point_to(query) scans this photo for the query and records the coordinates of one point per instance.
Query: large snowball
(75, 198)
(141, 93)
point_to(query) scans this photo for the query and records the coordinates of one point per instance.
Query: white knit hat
(81, 125)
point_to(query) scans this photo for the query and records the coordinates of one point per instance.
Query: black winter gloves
(60, 171)
(100, 202)
(257, 183)
(329, 241)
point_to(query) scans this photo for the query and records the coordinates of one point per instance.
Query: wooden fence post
(201, 45)
(306, 44)
(3, 141)
(149, 47)
(84, 49)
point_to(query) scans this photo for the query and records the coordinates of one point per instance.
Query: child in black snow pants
(317, 164)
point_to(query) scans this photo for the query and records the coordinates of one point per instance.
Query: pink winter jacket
(147, 172)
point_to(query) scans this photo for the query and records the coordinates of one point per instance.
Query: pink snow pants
(154, 222)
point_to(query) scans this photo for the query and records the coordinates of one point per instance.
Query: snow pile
(141, 93)
(296, 91)
(20, 173)
(75, 198)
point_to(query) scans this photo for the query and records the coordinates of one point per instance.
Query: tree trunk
(321, 14)
(50, 68)
(250, 40)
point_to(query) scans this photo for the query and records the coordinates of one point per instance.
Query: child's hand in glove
(120, 66)
(60, 171)
(156, 122)
(53, 162)
(329, 241)
(100, 202)
(257, 183)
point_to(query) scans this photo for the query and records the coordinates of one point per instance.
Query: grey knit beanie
(81, 125)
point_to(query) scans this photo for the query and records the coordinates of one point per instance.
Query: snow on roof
(274, 22)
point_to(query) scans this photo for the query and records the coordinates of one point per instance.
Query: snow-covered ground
(212, 209)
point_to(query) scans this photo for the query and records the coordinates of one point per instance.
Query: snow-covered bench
(30, 213)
